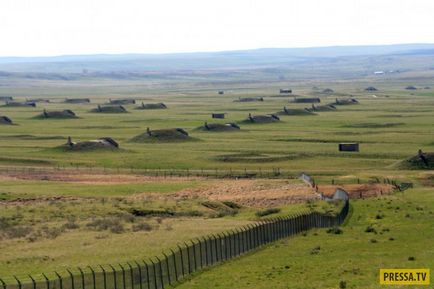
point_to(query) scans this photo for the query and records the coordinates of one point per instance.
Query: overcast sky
(59, 27)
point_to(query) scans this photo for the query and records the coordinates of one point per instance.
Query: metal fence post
(60, 280)
(147, 275)
(47, 281)
(93, 277)
(83, 286)
(174, 265)
(114, 277)
(104, 277)
(182, 261)
(161, 272)
(188, 258)
(168, 269)
(33, 281)
(123, 275)
(140, 274)
(155, 273)
(131, 275)
(19, 282)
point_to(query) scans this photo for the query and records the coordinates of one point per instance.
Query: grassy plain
(391, 125)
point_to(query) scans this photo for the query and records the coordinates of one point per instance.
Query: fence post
(155, 273)
(161, 272)
(200, 253)
(131, 275)
(47, 281)
(221, 247)
(168, 269)
(194, 256)
(147, 274)
(188, 258)
(19, 282)
(104, 277)
(206, 251)
(114, 277)
(174, 263)
(33, 281)
(140, 274)
(182, 261)
(60, 280)
(123, 275)
(216, 249)
(93, 277)
(82, 278)
(3, 283)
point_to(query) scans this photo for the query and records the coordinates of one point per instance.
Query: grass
(353, 256)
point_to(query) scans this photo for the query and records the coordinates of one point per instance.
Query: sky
(62, 27)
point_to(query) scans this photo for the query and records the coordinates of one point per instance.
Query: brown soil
(252, 193)
(358, 190)
(86, 178)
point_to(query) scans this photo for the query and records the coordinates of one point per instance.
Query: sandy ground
(251, 192)
(246, 192)
(87, 178)
(357, 191)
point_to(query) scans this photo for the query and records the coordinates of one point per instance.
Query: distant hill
(265, 57)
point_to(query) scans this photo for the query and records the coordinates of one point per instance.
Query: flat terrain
(62, 208)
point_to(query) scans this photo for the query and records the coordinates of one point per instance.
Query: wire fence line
(166, 270)
(159, 172)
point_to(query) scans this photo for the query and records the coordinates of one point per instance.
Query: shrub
(117, 228)
(114, 225)
(374, 241)
(71, 225)
(335, 230)
(370, 229)
(411, 258)
(267, 212)
(342, 284)
(142, 226)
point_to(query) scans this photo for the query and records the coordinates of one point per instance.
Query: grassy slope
(351, 257)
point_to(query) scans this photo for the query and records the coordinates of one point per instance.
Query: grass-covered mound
(163, 135)
(371, 88)
(4, 120)
(110, 109)
(411, 87)
(323, 108)
(249, 99)
(122, 101)
(20, 104)
(219, 127)
(159, 105)
(262, 118)
(345, 101)
(420, 161)
(46, 100)
(101, 143)
(295, 111)
(328, 91)
(77, 100)
(57, 114)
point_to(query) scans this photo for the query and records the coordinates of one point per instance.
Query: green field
(50, 224)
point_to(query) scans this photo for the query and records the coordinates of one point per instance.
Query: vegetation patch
(219, 127)
(253, 157)
(267, 212)
(374, 125)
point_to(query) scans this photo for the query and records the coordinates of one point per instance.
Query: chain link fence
(173, 265)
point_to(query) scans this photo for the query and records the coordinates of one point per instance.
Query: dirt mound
(345, 101)
(249, 99)
(371, 88)
(122, 101)
(328, 91)
(218, 127)
(77, 100)
(110, 109)
(101, 143)
(20, 104)
(46, 100)
(411, 87)
(323, 108)
(152, 106)
(358, 190)
(421, 161)
(163, 135)
(57, 114)
(306, 100)
(295, 111)
(262, 118)
(5, 120)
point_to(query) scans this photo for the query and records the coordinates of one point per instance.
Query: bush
(142, 226)
(370, 229)
(117, 228)
(71, 225)
(267, 212)
(335, 230)
(374, 241)
(411, 258)
(342, 285)
(114, 225)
